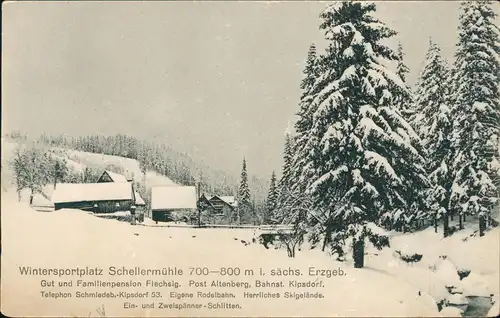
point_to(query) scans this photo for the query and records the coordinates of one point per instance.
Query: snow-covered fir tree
(285, 182)
(403, 98)
(310, 74)
(304, 121)
(402, 70)
(244, 202)
(367, 160)
(476, 111)
(272, 197)
(435, 124)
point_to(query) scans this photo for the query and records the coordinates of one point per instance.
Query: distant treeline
(160, 158)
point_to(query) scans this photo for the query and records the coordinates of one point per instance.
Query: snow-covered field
(385, 287)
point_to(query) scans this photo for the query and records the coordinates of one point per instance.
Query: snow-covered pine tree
(244, 203)
(402, 70)
(285, 182)
(477, 111)
(304, 120)
(272, 197)
(368, 161)
(404, 98)
(319, 73)
(435, 125)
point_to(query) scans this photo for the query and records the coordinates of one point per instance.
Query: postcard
(250, 159)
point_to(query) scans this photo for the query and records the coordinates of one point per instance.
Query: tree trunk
(132, 212)
(445, 224)
(31, 197)
(291, 251)
(482, 224)
(327, 235)
(19, 195)
(460, 221)
(358, 253)
(435, 223)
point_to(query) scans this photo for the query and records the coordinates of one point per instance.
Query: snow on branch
(381, 162)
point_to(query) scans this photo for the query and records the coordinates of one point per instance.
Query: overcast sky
(219, 80)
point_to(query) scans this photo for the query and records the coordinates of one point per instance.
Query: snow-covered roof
(173, 197)
(116, 177)
(78, 192)
(229, 200)
(138, 199)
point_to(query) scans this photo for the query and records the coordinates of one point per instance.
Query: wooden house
(103, 197)
(173, 203)
(204, 204)
(222, 211)
(108, 176)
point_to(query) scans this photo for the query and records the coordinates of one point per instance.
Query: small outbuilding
(173, 203)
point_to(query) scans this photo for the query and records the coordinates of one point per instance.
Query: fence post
(132, 213)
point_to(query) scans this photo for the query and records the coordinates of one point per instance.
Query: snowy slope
(87, 243)
(481, 255)
(77, 161)
(130, 167)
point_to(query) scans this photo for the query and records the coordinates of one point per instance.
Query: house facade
(109, 176)
(173, 204)
(94, 197)
(221, 210)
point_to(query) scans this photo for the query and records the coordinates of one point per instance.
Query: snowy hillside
(130, 167)
(387, 286)
(77, 161)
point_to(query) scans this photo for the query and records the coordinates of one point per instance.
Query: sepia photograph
(250, 159)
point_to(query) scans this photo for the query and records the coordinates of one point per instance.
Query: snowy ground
(386, 287)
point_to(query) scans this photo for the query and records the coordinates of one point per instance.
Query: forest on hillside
(151, 156)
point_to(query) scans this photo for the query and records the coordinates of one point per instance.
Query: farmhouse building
(103, 197)
(204, 204)
(173, 203)
(222, 210)
(108, 176)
